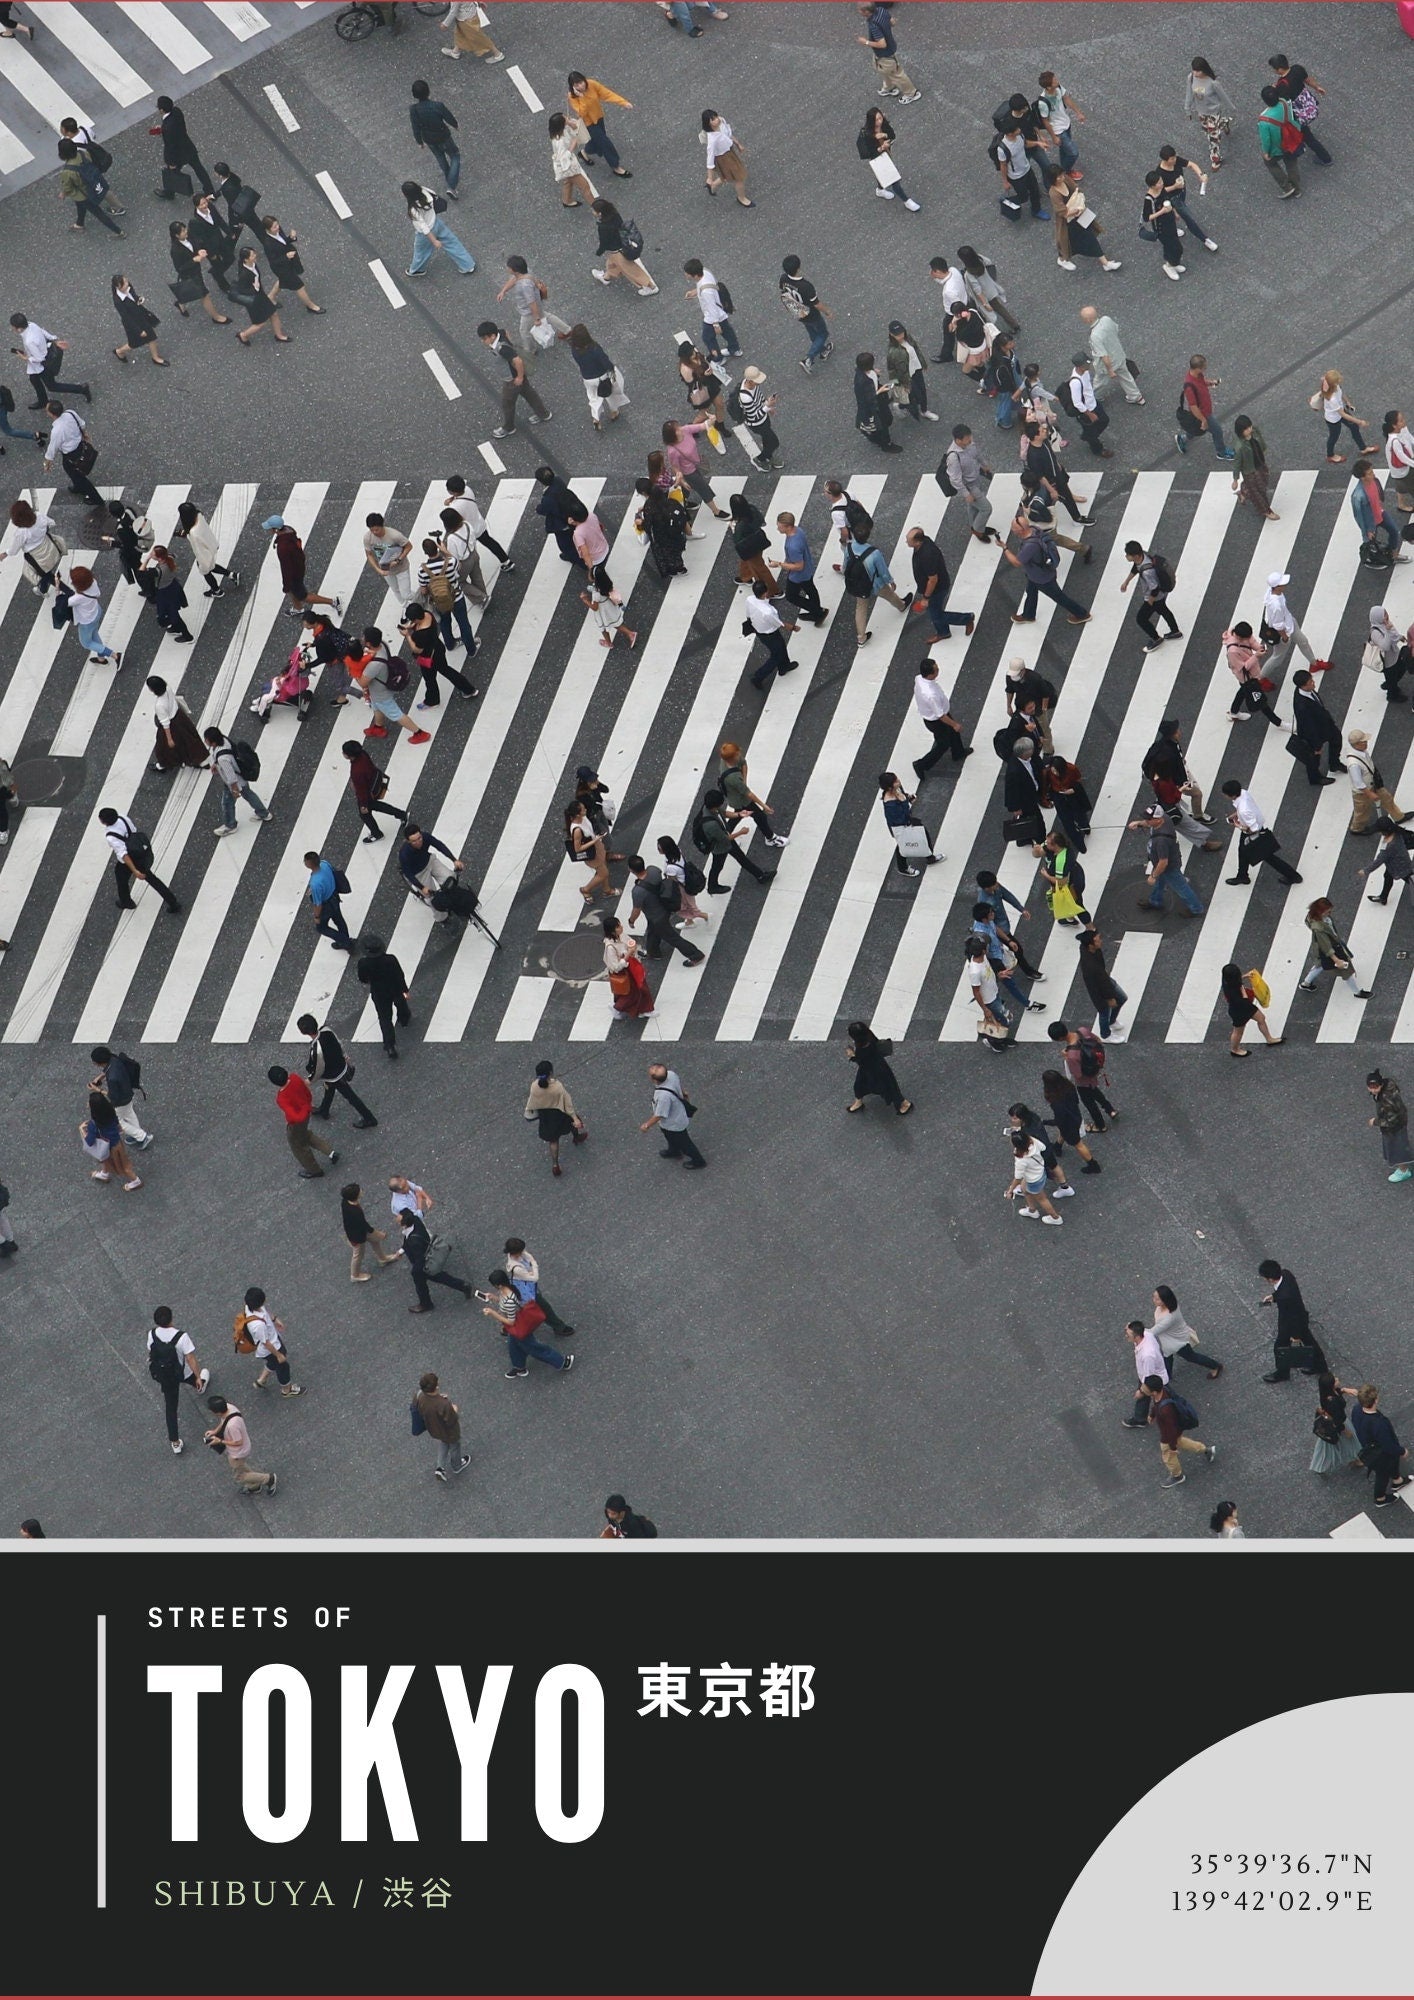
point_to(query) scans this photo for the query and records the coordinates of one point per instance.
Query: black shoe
(766, 879)
(664, 1154)
(332, 1158)
(364, 1124)
(310, 1174)
(1274, 1377)
(1135, 1423)
(421, 1309)
(1091, 1167)
(1238, 881)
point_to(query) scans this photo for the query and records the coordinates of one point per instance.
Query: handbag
(61, 610)
(83, 457)
(620, 983)
(543, 334)
(1373, 657)
(186, 291)
(416, 1417)
(96, 1148)
(631, 236)
(884, 170)
(754, 542)
(439, 1249)
(995, 1032)
(1258, 987)
(912, 841)
(1024, 830)
(1062, 902)
(240, 297)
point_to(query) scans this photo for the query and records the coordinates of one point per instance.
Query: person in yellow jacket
(586, 99)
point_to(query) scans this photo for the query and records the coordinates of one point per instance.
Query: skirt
(186, 748)
(1084, 241)
(1331, 1457)
(471, 39)
(874, 1078)
(554, 1125)
(1396, 1148)
(731, 166)
(259, 310)
(637, 997)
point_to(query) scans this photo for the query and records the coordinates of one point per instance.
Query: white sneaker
(914, 205)
(1246, 716)
(1208, 243)
(910, 871)
(1027, 1214)
(884, 194)
(4, 840)
(1065, 263)
(1173, 271)
(1053, 1221)
(648, 291)
(912, 97)
(176, 1445)
(1115, 263)
(931, 415)
(1063, 1194)
(221, 831)
(601, 277)
(778, 840)
(1182, 231)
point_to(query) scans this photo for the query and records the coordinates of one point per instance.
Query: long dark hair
(1232, 983)
(1055, 1088)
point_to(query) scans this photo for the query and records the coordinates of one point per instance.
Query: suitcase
(176, 180)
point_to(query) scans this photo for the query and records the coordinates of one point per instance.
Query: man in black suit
(178, 149)
(1315, 727)
(1296, 1345)
(555, 507)
(1022, 789)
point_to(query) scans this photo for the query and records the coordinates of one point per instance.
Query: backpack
(1164, 571)
(631, 236)
(139, 847)
(100, 155)
(134, 1069)
(1092, 1053)
(399, 673)
(418, 1426)
(669, 895)
(694, 881)
(1048, 549)
(857, 580)
(247, 762)
(699, 838)
(858, 519)
(1188, 421)
(440, 594)
(734, 409)
(1183, 1410)
(164, 1364)
(722, 293)
(241, 1334)
(1374, 555)
(944, 477)
(341, 883)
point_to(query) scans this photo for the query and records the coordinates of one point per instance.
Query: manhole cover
(579, 957)
(38, 780)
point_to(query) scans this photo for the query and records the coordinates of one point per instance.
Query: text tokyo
(368, 1747)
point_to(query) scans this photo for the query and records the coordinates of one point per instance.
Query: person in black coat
(387, 985)
(416, 1245)
(1044, 469)
(1106, 995)
(286, 265)
(873, 411)
(178, 149)
(208, 231)
(124, 541)
(140, 323)
(1315, 728)
(1023, 783)
(873, 1076)
(191, 263)
(1295, 1345)
(555, 507)
(167, 597)
(242, 202)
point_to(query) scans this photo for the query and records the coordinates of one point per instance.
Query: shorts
(387, 707)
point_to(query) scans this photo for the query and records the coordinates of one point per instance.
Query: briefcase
(176, 180)
(1024, 832)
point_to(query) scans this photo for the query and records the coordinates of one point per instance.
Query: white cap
(1016, 666)
(1277, 579)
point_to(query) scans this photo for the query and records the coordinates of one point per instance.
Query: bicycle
(357, 22)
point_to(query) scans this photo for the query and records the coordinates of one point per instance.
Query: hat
(897, 326)
(586, 771)
(1016, 669)
(753, 374)
(1153, 813)
(1080, 361)
(1277, 579)
(275, 521)
(1358, 740)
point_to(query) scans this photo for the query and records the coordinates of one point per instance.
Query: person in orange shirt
(586, 99)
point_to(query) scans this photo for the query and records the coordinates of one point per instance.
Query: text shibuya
(368, 1747)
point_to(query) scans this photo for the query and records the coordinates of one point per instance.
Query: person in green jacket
(81, 183)
(1281, 165)
(1251, 474)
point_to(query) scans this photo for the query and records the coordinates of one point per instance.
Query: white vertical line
(534, 801)
(37, 87)
(13, 152)
(243, 20)
(655, 660)
(1229, 908)
(32, 669)
(282, 110)
(493, 458)
(386, 285)
(91, 49)
(1131, 965)
(101, 1759)
(336, 200)
(442, 375)
(517, 77)
(168, 32)
(453, 819)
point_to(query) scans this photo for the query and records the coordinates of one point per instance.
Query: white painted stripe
(1360, 1529)
(287, 899)
(37, 86)
(336, 200)
(493, 458)
(655, 661)
(282, 110)
(190, 792)
(1131, 964)
(168, 32)
(209, 912)
(89, 870)
(13, 152)
(365, 865)
(541, 791)
(385, 283)
(243, 20)
(1124, 791)
(497, 711)
(91, 49)
(441, 374)
(31, 669)
(1229, 908)
(1213, 736)
(517, 77)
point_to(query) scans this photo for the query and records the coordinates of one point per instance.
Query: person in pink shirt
(682, 459)
(591, 543)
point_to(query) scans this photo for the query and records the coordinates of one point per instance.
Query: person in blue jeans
(324, 896)
(518, 1319)
(7, 410)
(679, 12)
(1175, 169)
(430, 232)
(1005, 377)
(433, 126)
(1165, 869)
(1037, 560)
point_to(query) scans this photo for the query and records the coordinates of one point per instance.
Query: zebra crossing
(98, 63)
(841, 933)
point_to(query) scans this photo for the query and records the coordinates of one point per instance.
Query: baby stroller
(289, 688)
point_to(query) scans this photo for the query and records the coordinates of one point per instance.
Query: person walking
(229, 1437)
(34, 538)
(1029, 1180)
(664, 523)
(742, 802)
(908, 373)
(866, 578)
(796, 570)
(623, 965)
(119, 1077)
(567, 140)
(726, 157)
(672, 1109)
(1089, 412)
(621, 1523)
(875, 147)
(177, 739)
(423, 1252)
(102, 1139)
(290, 554)
(932, 586)
(431, 627)
(1279, 135)
(529, 296)
(231, 781)
(1176, 1338)
(1071, 212)
(603, 379)
(873, 407)
(165, 593)
(196, 531)
(130, 541)
(1378, 521)
(878, 38)
(898, 812)
(1105, 993)
(1063, 1102)
(1332, 952)
(965, 473)
(754, 406)
(1175, 169)
(934, 709)
(434, 127)
(715, 834)
(1380, 1449)
(1330, 399)
(179, 154)
(1394, 857)
(1369, 793)
(139, 323)
(1205, 100)
(551, 1108)
(1156, 580)
(677, 868)
(518, 384)
(979, 283)
(1243, 1006)
(518, 1319)
(1396, 659)
(172, 1360)
(1010, 154)
(281, 247)
(376, 675)
(1298, 88)
(256, 1324)
(1196, 398)
(387, 985)
(1158, 223)
(873, 1076)
(614, 246)
(328, 1064)
(248, 290)
(1107, 351)
(44, 356)
(440, 1418)
(1314, 729)
(214, 237)
(1391, 1119)
(1255, 840)
(1399, 456)
(359, 1234)
(296, 1101)
(1036, 558)
(85, 604)
(467, 21)
(1042, 472)
(1166, 768)
(1164, 865)
(1245, 654)
(1174, 1438)
(1148, 1361)
(387, 551)
(656, 899)
(1336, 1444)
(462, 502)
(1251, 474)
(430, 232)
(1084, 1055)
(584, 843)
(803, 303)
(586, 98)
(69, 442)
(132, 860)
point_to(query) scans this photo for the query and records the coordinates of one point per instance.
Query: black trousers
(366, 813)
(48, 385)
(1026, 189)
(1066, 497)
(331, 923)
(777, 660)
(662, 934)
(681, 1146)
(431, 695)
(1310, 755)
(947, 741)
(1195, 1356)
(422, 1279)
(80, 483)
(1253, 696)
(1151, 610)
(1096, 1103)
(190, 162)
(170, 1392)
(385, 1005)
(806, 598)
(1093, 427)
(489, 542)
(767, 441)
(733, 849)
(1283, 870)
(552, 1318)
(123, 878)
(341, 1087)
(1385, 1467)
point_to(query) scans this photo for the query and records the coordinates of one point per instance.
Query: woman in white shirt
(178, 739)
(628, 982)
(195, 530)
(1399, 457)
(567, 136)
(33, 539)
(725, 159)
(430, 232)
(1223, 1522)
(675, 866)
(86, 607)
(1330, 399)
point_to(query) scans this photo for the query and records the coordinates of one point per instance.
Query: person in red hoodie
(289, 550)
(292, 1094)
(364, 781)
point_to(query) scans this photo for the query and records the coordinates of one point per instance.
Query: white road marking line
(441, 374)
(167, 32)
(1360, 1529)
(89, 47)
(1131, 966)
(38, 88)
(13, 152)
(282, 110)
(336, 200)
(385, 283)
(493, 458)
(517, 77)
(243, 20)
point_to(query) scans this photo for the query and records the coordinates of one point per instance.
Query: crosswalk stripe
(90, 48)
(656, 657)
(497, 710)
(535, 799)
(167, 31)
(1135, 956)
(243, 20)
(1114, 798)
(366, 865)
(38, 87)
(239, 666)
(14, 153)
(1228, 907)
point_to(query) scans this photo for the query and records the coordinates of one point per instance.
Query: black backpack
(1183, 1410)
(247, 762)
(139, 847)
(1164, 571)
(734, 409)
(164, 1364)
(858, 519)
(723, 294)
(668, 894)
(857, 580)
(699, 838)
(341, 883)
(1092, 1054)
(944, 477)
(134, 1069)
(694, 881)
